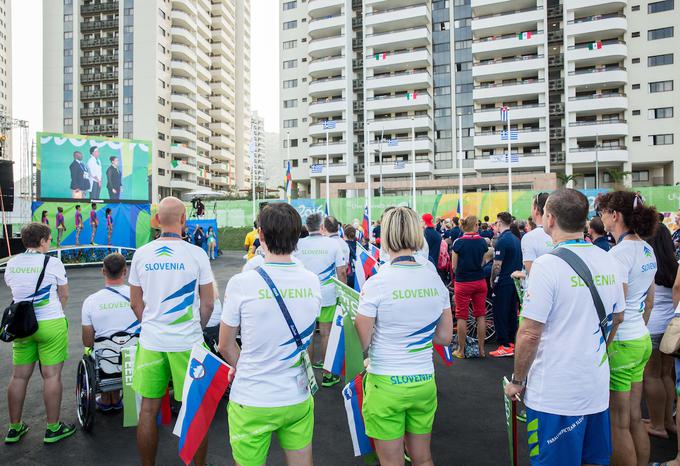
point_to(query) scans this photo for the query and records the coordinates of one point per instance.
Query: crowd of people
(594, 299)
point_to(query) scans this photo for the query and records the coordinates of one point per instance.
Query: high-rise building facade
(175, 73)
(5, 72)
(577, 76)
(258, 150)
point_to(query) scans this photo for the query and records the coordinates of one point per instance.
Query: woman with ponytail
(627, 218)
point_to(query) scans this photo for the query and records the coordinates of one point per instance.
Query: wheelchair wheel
(490, 328)
(86, 393)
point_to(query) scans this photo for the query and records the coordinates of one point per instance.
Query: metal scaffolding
(23, 157)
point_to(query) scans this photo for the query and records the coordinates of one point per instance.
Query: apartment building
(5, 72)
(172, 72)
(258, 150)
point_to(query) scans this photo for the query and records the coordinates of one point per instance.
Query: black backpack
(18, 320)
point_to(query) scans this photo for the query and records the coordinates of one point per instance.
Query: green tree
(618, 177)
(566, 179)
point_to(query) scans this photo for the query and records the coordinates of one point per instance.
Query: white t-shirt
(108, 312)
(420, 257)
(169, 273)
(639, 264)
(535, 243)
(94, 167)
(321, 255)
(662, 312)
(216, 313)
(258, 261)
(407, 302)
(268, 372)
(343, 246)
(570, 375)
(21, 276)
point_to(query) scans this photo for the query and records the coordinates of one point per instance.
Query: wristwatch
(521, 383)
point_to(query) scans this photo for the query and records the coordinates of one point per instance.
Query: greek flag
(513, 135)
(328, 124)
(317, 168)
(399, 164)
(504, 113)
(393, 142)
(503, 158)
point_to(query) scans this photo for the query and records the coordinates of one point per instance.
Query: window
(658, 7)
(289, 44)
(635, 8)
(288, 64)
(161, 119)
(636, 60)
(293, 143)
(659, 60)
(161, 136)
(661, 86)
(660, 139)
(292, 123)
(642, 175)
(161, 154)
(636, 138)
(636, 86)
(659, 113)
(636, 112)
(289, 6)
(636, 34)
(290, 103)
(289, 83)
(161, 172)
(661, 33)
(289, 25)
(445, 47)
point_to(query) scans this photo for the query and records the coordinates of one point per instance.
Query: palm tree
(618, 177)
(566, 179)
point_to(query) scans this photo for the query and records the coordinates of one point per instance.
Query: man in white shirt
(537, 242)
(168, 278)
(94, 168)
(323, 256)
(107, 312)
(561, 350)
(331, 228)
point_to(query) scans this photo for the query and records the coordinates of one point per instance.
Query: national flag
(393, 142)
(459, 211)
(595, 45)
(288, 183)
(503, 158)
(381, 56)
(375, 252)
(206, 380)
(365, 267)
(348, 300)
(524, 35)
(316, 168)
(335, 350)
(411, 95)
(445, 353)
(353, 394)
(399, 164)
(513, 135)
(328, 124)
(504, 113)
(366, 222)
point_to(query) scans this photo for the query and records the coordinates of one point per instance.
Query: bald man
(167, 278)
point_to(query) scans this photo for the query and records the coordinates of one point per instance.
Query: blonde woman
(400, 392)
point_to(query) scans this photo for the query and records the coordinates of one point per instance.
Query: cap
(427, 218)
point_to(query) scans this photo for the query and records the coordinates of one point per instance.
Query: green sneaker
(64, 430)
(317, 365)
(14, 434)
(329, 380)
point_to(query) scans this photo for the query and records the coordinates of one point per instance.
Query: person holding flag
(400, 393)
(168, 278)
(270, 392)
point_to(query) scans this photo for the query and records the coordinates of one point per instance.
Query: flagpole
(367, 147)
(328, 177)
(288, 164)
(460, 163)
(369, 193)
(252, 180)
(509, 166)
(413, 165)
(382, 135)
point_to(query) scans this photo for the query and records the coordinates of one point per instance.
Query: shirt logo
(647, 251)
(164, 251)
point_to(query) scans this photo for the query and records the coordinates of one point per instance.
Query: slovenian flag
(411, 95)
(205, 383)
(524, 35)
(375, 252)
(445, 353)
(366, 223)
(595, 45)
(353, 394)
(335, 351)
(365, 267)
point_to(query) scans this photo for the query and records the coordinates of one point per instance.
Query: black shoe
(64, 430)
(329, 380)
(14, 435)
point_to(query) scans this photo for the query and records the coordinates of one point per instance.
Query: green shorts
(627, 360)
(49, 344)
(397, 404)
(250, 429)
(327, 314)
(154, 369)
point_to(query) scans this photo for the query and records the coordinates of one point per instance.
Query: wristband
(521, 383)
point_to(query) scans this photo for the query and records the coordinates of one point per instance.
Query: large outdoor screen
(72, 167)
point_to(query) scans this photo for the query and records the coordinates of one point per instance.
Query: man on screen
(113, 179)
(94, 168)
(80, 182)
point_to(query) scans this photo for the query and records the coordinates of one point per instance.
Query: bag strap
(282, 305)
(113, 290)
(582, 270)
(41, 277)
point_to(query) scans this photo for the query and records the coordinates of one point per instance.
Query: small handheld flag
(365, 267)
(335, 351)
(353, 394)
(445, 353)
(366, 223)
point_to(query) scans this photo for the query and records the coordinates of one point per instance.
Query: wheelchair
(100, 372)
(472, 322)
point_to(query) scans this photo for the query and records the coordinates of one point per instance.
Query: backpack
(444, 261)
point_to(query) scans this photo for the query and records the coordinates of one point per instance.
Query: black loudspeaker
(7, 185)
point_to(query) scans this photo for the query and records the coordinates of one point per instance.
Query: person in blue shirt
(455, 232)
(434, 239)
(485, 231)
(507, 259)
(597, 234)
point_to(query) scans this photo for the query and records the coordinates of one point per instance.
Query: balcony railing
(512, 130)
(399, 73)
(339, 36)
(99, 59)
(398, 96)
(525, 154)
(326, 101)
(506, 36)
(380, 120)
(324, 18)
(516, 107)
(99, 111)
(325, 80)
(380, 12)
(330, 143)
(101, 94)
(92, 77)
(98, 25)
(507, 13)
(597, 96)
(508, 59)
(597, 122)
(589, 44)
(596, 70)
(334, 57)
(598, 148)
(321, 122)
(99, 7)
(400, 31)
(99, 42)
(514, 83)
(588, 19)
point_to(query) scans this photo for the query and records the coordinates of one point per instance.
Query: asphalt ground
(469, 427)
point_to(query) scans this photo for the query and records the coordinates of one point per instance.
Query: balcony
(316, 129)
(324, 87)
(595, 6)
(525, 161)
(182, 101)
(87, 26)
(334, 169)
(108, 7)
(419, 123)
(403, 167)
(183, 85)
(487, 139)
(188, 6)
(99, 42)
(180, 133)
(518, 90)
(183, 68)
(390, 61)
(611, 51)
(518, 114)
(486, 7)
(598, 103)
(98, 129)
(99, 111)
(180, 166)
(334, 148)
(97, 77)
(220, 141)
(326, 46)
(182, 19)
(183, 118)
(221, 128)
(219, 167)
(101, 94)
(505, 68)
(399, 80)
(99, 59)
(592, 27)
(403, 145)
(398, 103)
(507, 44)
(182, 185)
(326, 26)
(321, 8)
(616, 75)
(404, 17)
(182, 52)
(507, 22)
(599, 128)
(327, 106)
(326, 65)
(182, 150)
(403, 38)
(603, 154)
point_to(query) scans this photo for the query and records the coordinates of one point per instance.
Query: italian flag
(524, 35)
(411, 95)
(595, 45)
(381, 56)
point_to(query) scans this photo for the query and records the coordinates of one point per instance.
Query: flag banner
(365, 267)
(400, 164)
(348, 301)
(375, 252)
(595, 45)
(335, 351)
(392, 142)
(504, 113)
(317, 168)
(503, 158)
(511, 425)
(381, 56)
(174, 163)
(288, 183)
(132, 402)
(445, 353)
(353, 394)
(524, 35)
(366, 223)
(411, 95)
(514, 136)
(328, 124)
(205, 383)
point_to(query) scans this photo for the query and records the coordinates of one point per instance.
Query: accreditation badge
(308, 372)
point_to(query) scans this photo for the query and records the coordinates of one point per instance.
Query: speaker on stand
(6, 204)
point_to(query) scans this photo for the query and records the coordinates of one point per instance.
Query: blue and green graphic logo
(647, 251)
(163, 251)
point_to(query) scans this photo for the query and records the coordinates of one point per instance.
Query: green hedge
(231, 239)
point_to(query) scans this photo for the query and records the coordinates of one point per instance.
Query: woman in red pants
(470, 285)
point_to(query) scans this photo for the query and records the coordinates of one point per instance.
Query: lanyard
(570, 241)
(282, 305)
(403, 259)
(171, 235)
(623, 236)
(113, 290)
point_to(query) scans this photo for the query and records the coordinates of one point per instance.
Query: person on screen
(94, 222)
(94, 168)
(61, 225)
(109, 226)
(44, 220)
(114, 179)
(79, 224)
(80, 179)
